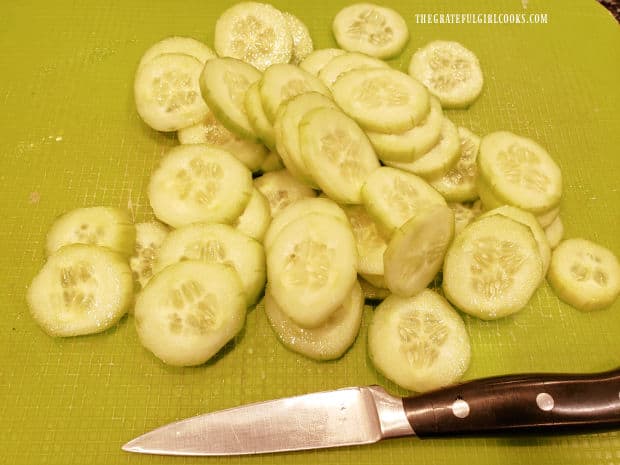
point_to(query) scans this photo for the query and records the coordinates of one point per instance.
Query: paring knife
(540, 403)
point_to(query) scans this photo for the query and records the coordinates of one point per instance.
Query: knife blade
(539, 403)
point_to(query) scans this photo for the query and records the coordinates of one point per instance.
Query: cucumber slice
(282, 82)
(326, 342)
(256, 33)
(257, 117)
(412, 144)
(546, 219)
(312, 267)
(217, 243)
(302, 41)
(167, 92)
(105, 226)
(370, 243)
(420, 342)
(372, 29)
(211, 131)
(555, 232)
(450, 71)
(189, 311)
(81, 289)
(199, 183)
(464, 214)
(487, 197)
(372, 292)
(492, 268)
(459, 183)
(223, 84)
(519, 172)
(273, 162)
(438, 160)
(382, 100)
(337, 153)
(317, 60)
(339, 65)
(256, 217)
(281, 189)
(286, 127)
(376, 280)
(176, 44)
(415, 253)
(393, 196)
(149, 237)
(300, 208)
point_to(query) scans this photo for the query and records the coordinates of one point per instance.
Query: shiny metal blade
(360, 415)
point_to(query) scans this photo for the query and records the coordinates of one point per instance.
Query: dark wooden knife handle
(539, 403)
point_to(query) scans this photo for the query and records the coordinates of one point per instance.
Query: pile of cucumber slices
(319, 179)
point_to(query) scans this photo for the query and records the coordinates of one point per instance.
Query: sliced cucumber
(199, 183)
(256, 33)
(488, 199)
(189, 311)
(326, 342)
(412, 144)
(81, 289)
(450, 71)
(302, 41)
(382, 100)
(149, 237)
(312, 267)
(211, 131)
(256, 217)
(167, 92)
(584, 274)
(415, 253)
(459, 183)
(370, 243)
(555, 232)
(372, 292)
(223, 84)
(464, 214)
(546, 219)
(372, 29)
(519, 172)
(393, 196)
(281, 189)
(316, 60)
(339, 65)
(438, 160)
(257, 117)
(376, 280)
(106, 226)
(217, 243)
(420, 342)
(337, 153)
(176, 44)
(273, 162)
(492, 268)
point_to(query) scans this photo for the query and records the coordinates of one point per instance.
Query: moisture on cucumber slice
(337, 153)
(412, 144)
(370, 243)
(281, 189)
(223, 84)
(316, 60)
(419, 342)
(189, 311)
(372, 292)
(167, 92)
(459, 183)
(464, 214)
(415, 253)
(326, 342)
(584, 274)
(177, 44)
(555, 232)
(81, 289)
(110, 227)
(217, 243)
(492, 268)
(372, 29)
(256, 33)
(302, 41)
(199, 183)
(257, 117)
(341, 64)
(519, 172)
(392, 197)
(312, 267)
(273, 162)
(256, 217)
(382, 100)
(211, 131)
(450, 71)
(439, 159)
(149, 237)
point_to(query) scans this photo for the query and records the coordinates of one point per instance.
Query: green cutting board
(71, 137)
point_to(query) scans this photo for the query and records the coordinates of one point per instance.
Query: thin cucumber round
(177, 44)
(81, 289)
(189, 311)
(256, 217)
(376, 280)
(281, 189)
(372, 292)
(199, 183)
(273, 162)
(546, 219)
(341, 64)
(257, 117)
(419, 342)
(464, 214)
(370, 243)
(555, 232)
(316, 60)
(149, 237)
(302, 41)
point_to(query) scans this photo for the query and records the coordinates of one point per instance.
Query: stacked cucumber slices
(319, 179)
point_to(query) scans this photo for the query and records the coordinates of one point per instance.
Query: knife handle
(528, 403)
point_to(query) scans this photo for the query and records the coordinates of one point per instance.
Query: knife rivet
(544, 401)
(460, 408)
